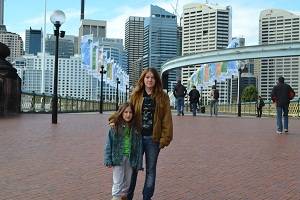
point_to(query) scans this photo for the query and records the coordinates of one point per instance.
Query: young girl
(123, 150)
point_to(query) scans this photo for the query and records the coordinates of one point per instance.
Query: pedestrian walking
(123, 150)
(281, 95)
(194, 96)
(214, 98)
(259, 105)
(154, 120)
(179, 93)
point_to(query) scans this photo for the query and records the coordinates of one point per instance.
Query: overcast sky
(20, 15)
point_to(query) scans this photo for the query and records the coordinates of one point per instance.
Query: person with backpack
(214, 96)
(260, 104)
(179, 93)
(194, 96)
(281, 95)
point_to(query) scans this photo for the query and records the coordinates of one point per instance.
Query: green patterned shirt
(127, 142)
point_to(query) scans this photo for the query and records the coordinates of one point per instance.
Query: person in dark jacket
(179, 93)
(260, 105)
(281, 95)
(194, 96)
(123, 150)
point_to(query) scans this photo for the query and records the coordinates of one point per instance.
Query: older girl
(154, 121)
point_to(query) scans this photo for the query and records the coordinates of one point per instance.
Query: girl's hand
(112, 125)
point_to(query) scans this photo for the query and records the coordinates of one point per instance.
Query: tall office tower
(115, 50)
(89, 26)
(160, 40)
(279, 26)
(65, 47)
(33, 41)
(14, 43)
(1, 12)
(134, 37)
(205, 28)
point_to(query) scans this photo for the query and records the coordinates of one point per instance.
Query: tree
(249, 93)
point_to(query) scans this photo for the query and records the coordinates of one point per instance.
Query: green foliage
(249, 94)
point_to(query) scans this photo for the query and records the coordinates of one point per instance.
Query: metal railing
(41, 103)
(249, 108)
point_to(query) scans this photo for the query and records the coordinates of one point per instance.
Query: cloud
(116, 25)
(245, 23)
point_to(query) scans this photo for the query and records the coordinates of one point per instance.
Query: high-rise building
(134, 37)
(1, 12)
(14, 43)
(278, 26)
(115, 50)
(90, 26)
(73, 79)
(205, 28)
(65, 47)
(33, 41)
(160, 40)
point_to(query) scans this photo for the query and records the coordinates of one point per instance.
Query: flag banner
(109, 70)
(94, 56)
(86, 45)
(206, 74)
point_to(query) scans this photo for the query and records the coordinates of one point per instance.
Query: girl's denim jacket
(113, 150)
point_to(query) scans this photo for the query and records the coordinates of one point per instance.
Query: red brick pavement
(210, 158)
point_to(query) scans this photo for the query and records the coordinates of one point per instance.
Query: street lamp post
(201, 95)
(240, 70)
(126, 92)
(57, 19)
(101, 89)
(239, 92)
(117, 94)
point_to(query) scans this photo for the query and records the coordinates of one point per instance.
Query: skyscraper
(65, 48)
(14, 43)
(33, 41)
(160, 40)
(134, 37)
(205, 28)
(115, 50)
(95, 27)
(278, 26)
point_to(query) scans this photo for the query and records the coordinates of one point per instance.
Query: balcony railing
(249, 108)
(41, 103)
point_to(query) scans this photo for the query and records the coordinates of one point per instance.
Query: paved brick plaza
(210, 158)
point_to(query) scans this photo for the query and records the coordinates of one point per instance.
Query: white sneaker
(286, 130)
(279, 132)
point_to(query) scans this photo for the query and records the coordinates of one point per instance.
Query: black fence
(41, 103)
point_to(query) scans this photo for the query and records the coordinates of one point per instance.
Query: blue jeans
(282, 111)
(151, 150)
(194, 108)
(214, 107)
(180, 105)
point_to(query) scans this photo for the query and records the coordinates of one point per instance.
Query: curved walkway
(210, 158)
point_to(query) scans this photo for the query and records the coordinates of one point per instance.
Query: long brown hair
(117, 117)
(140, 85)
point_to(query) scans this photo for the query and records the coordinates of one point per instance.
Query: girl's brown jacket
(162, 124)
